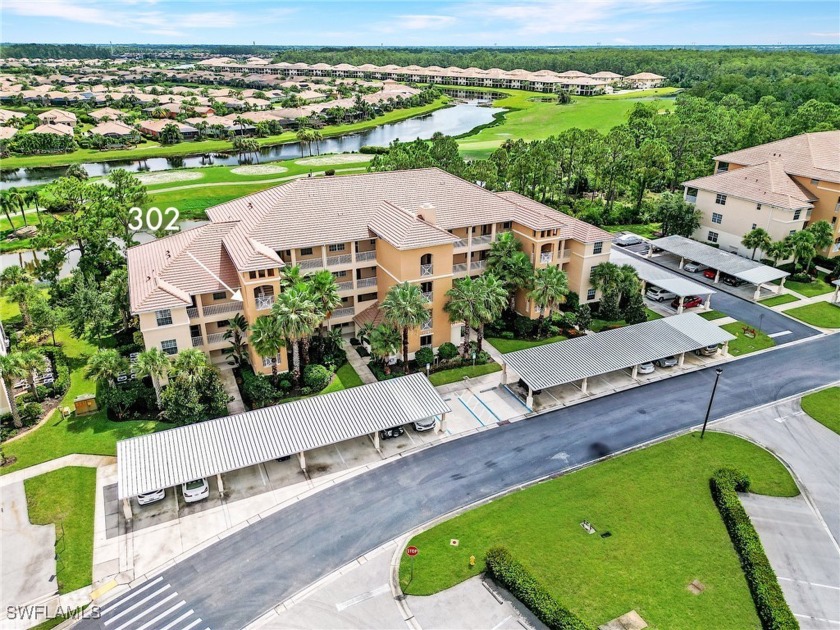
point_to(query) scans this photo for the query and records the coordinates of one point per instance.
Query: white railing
(227, 307)
(343, 259)
(459, 268)
(427, 325)
(478, 264)
(264, 302)
(691, 198)
(366, 282)
(197, 341)
(343, 312)
(427, 295)
(215, 338)
(313, 263)
(192, 312)
(345, 286)
(363, 256)
(461, 243)
(545, 258)
(425, 270)
(482, 240)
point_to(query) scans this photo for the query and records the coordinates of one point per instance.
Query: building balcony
(426, 270)
(345, 286)
(215, 338)
(366, 282)
(197, 341)
(482, 240)
(364, 256)
(545, 258)
(347, 311)
(192, 312)
(264, 302)
(427, 295)
(427, 325)
(218, 309)
(459, 268)
(691, 198)
(342, 259)
(461, 244)
(312, 263)
(477, 265)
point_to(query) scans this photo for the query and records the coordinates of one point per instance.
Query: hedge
(769, 600)
(513, 575)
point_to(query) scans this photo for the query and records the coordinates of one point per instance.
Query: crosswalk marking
(171, 625)
(192, 625)
(152, 606)
(148, 610)
(138, 604)
(116, 604)
(165, 613)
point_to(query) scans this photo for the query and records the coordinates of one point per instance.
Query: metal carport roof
(738, 266)
(160, 460)
(656, 275)
(599, 353)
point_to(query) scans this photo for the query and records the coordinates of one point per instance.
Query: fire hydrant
(472, 561)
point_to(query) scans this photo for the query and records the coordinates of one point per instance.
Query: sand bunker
(346, 158)
(165, 177)
(259, 169)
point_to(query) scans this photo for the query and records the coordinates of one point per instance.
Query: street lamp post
(718, 372)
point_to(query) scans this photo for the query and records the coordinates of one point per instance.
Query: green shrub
(447, 351)
(257, 390)
(316, 377)
(373, 150)
(329, 172)
(424, 356)
(123, 402)
(306, 391)
(523, 327)
(513, 575)
(507, 334)
(770, 603)
(362, 351)
(30, 412)
(354, 341)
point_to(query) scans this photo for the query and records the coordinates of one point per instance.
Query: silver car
(151, 497)
(646, 368)
(694, 267)
(625, 240)
(658, 294)
(666, 362)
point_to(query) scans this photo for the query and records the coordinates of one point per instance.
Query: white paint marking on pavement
(836, 588)
(133, 606)
(381, 590)
(147, 611)
(837, 623)
(501, 623)
(109, 607)
(563, 456)
(165, 613)
(779, 334)
(178, 620)
(192, 625)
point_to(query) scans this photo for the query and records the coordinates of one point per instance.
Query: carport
(653, 274)
(169, 458)
(592, 355)
(723, 262)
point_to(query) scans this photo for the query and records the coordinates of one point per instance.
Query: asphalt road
(234, 581)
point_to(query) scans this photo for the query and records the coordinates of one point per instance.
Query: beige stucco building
(371, 231)
(781, 186)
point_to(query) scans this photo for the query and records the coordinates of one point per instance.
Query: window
(722, 167)
(717, 218)
(268, 361)
(797, 214)
(426, 341)
(590, 295)
(163, 317)
(507, 225)
(169, 346)
(339, 274)
(758, 206)
(792, 232)
(337, 247)
(713, 237)
(815, 182)
(720, 199)
(221, 295)
(691, 194)
(598, 247)
(305, 251)
(753, 227)
(252, 275)
(366, 297)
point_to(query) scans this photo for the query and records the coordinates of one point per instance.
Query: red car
(690, 301)
(710, 273)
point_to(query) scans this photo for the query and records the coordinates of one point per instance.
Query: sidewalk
(90, 461)
(358, 363)
(232, 390)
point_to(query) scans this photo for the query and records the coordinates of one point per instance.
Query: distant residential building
(58, 117)
(644, 80)
(7, 115)
(106, 112)
(113, 129)
(153, 128)
(58, 130)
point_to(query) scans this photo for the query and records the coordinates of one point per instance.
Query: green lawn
(712, 315)
(66, 497)
(824, 407)
(509, 345)
(744, 344)
(531, 119)
(599, 324)
(666, 532)
(810, 289)
(457, 374)
(652, 315)
(645, 230)
(821, 314)
(9, 311)
(784, 298)
(345, 378)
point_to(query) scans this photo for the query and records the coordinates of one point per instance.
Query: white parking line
(836, 588)
(165, 613)
(108, 608)
(779, 334)
(140, 603)
(502, 622)
(837, 623)
(178, 620)
(148, 610)
(381, 590)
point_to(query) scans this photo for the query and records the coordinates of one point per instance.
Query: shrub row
(513, 575)
(769, 600)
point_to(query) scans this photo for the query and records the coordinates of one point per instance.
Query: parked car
(393, 432)
(693, 267)
(195, 490)
(426, 424)
(710, 273)
(708, 351)
(666, 361)
(689, 301)
(658, 294)
(625, 240)
(732, 281)
(646, 368)
(524, 387)
(284, 459)
(151, 497)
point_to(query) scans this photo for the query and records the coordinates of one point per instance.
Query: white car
(151, 497)
(694, 267)
(426, 424)
(658, 294)
(626, 240)
(646, 368)
(195, 490)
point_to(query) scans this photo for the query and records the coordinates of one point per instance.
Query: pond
(451, 121)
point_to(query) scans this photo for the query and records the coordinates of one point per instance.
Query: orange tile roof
(572, 228)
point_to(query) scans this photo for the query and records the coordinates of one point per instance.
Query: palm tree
(297, 314)
(190, 366)
(33, 197)
(803, 247)
(777, 250)
(823, 234)
(6, 205)
(21, 292)
(405, 308)
(267, 339)
(551, 286)
(384, 341)
(495, 298)
(106, 365)
(466, 305)
(235, 334)
(317, 136)
(155, 364)
(755, 239)
(17, 198)
(11, 369)
(32, 360)
(304, 136)
(324, 291)
(506, 260)
(291, 277)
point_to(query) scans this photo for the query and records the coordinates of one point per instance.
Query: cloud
(60, 9)
(829, 35)
(622, 40)
(423, 22)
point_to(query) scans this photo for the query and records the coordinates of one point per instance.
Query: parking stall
(653, 276)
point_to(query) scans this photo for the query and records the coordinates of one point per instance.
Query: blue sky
(427, 22)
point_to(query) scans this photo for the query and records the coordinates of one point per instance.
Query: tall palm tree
(190, 366)
(11, 369)
(6, 205)
(317, 136)
(291, 276)
(17, 198)
(235, 334)
(267, 339)
(823, 234)
(405, 307)
(466, 305)
(16, 285)
(32, 360)
(494, 298)
(34, 197)
(756, 239)
(551, 286)
(803, 247)
(777, 250)
(106, 365)
(297, 314)
(154, 363)
(324, 291)
(384, 341)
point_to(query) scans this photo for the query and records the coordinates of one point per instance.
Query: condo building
(371, 231)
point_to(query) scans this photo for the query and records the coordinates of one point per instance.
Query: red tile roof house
(152, 128)
(106, 112)
(58, 130)
(58, 117)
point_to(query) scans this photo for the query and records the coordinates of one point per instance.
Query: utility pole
(718, 372)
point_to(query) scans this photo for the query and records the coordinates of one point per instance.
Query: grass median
(820, 314)
(745, 341)
(824, 407)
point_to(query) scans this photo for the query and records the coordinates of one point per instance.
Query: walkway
(358, 363)
(232, 390)
(90, 461)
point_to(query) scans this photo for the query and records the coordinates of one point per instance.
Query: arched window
(264, 297)
(426, 265)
